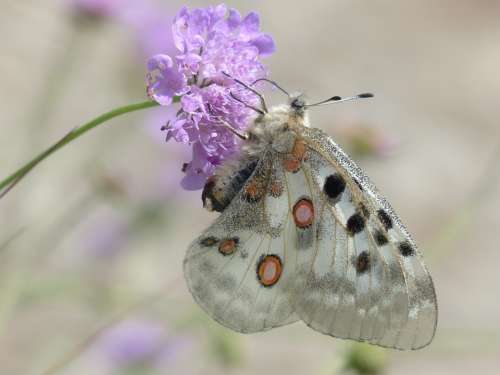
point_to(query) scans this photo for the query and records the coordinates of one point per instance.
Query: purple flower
(212, 42)
(132, 341)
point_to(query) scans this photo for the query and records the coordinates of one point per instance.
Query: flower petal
(164, 79)
(234, 18)
(193, 182)
(251, 23)
(265, 44)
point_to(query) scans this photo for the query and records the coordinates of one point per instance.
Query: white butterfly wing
(347, 267)
(362, 277)
(238, 270)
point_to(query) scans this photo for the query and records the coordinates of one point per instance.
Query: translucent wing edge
(321, 142)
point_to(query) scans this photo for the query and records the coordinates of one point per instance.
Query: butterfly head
(293, 114)
(298, 103)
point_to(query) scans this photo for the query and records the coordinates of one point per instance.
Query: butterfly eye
(298, 104)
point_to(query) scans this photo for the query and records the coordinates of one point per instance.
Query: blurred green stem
(8, 183)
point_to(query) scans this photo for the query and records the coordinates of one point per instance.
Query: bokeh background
(92, 241)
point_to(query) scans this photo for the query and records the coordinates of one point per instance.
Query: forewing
(231, 268)
(364, 278)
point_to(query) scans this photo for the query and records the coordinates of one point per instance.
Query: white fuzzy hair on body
(275, 131)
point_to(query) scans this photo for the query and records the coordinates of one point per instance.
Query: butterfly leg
(243, 136)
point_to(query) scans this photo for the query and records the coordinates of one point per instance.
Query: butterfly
(303, 235)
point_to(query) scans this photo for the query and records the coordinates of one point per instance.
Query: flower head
(139, 341)
(132, 341)
(213, 43)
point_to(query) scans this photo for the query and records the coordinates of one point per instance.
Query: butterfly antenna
(261, 97)
(337, 99)
(272, 83)
(246, 104)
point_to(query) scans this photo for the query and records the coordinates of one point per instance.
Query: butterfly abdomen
(221, 188)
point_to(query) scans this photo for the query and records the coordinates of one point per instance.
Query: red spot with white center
(227, 247)
(303, 213)
(269, 270)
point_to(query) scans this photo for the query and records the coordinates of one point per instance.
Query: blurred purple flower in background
(145, 18)
(211, 41)
(97, 8)
(149, 23)
(137, 342)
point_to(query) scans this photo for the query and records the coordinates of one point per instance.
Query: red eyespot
(227, 247)
(269, 270)
(276, 189)
(253, 191)
(303, 213)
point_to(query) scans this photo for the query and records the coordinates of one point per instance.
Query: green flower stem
(9, 182)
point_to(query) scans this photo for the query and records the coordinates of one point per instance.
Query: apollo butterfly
(304, 235)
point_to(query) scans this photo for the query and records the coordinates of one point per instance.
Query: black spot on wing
(363, 262)
(385, 219)
(334, 185)
(406, 249)
(355, 224)
(380, 238)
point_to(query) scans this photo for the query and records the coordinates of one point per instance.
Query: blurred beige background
(434, 69)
